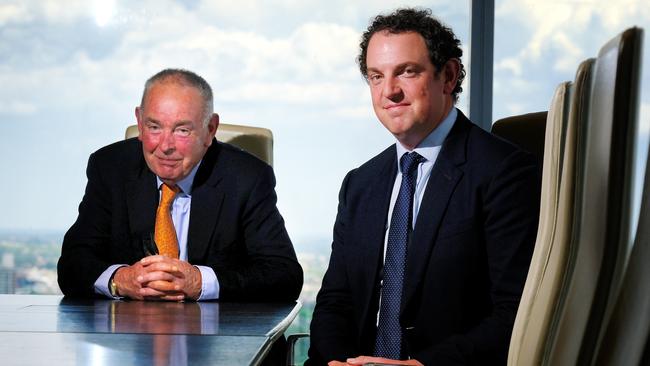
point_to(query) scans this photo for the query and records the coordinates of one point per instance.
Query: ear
(212, 128)
(140, 122)
(450, 74)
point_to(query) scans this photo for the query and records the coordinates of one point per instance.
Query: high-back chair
(534, 325)
(255, 140)
(601, 236)
(526, 131)
(532, 321)
(582, 239)
(628, 328)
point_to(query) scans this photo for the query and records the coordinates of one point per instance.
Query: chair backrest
(534, 326)
(532, 321)
(256, 140)
(585, 212)
(526, 131)
(629, 324)
(600, 236)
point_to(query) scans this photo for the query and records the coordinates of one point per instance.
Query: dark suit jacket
(235, 227)
(467, 259)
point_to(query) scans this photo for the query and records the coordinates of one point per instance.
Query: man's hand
(362, 360)
(159, 278)
(126, 280)
(169, 279)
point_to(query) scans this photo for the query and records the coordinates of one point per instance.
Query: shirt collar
(429, 147)
(184, 184)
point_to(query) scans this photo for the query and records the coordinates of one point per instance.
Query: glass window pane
(540, 44)
(72, 76)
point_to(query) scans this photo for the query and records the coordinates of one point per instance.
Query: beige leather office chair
(533, 316)
(582, 236)
(534, 326)
(256, 140)
(601, 235)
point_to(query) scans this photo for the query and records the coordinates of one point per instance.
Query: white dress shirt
(429, 148)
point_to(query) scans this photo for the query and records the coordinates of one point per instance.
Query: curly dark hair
(440, 39)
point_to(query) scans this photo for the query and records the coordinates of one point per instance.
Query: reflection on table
(34, 329)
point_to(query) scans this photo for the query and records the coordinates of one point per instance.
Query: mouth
(395, 106)
(396, 109)
(167, 161)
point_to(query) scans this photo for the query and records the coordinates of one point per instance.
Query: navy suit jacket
(235, 227)
(467, 259)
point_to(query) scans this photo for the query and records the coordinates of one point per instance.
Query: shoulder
(126, 148)
(470, 144)
(119, 157)
(379, 167)
(488, 159)
(489, 146)
(229, 155)
(225, 162)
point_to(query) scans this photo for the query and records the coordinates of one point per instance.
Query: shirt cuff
(209, 284)
(101, 285)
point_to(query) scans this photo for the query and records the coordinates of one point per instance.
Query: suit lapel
(373, 234)
(142, 201)
(444, 177)
(207, 200)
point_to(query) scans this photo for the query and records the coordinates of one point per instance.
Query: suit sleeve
(85, 245)
(510, 217)
(332, 326)
(269, 269)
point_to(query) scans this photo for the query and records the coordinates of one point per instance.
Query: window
(540, 44)
(73, 75)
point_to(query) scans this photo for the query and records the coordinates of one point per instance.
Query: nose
(392, 89)
(167, 142)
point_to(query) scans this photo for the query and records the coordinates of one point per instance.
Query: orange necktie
(164, 232)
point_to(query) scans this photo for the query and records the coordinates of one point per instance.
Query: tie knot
(409, 162)
(168, 194)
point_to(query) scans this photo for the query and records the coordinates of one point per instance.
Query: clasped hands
(159, 277)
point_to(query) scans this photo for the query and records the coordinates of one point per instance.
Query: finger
(159, 289)
(166, 296)
(148, 292)
(164, 286)
(356, 361)
(170, 268)
(147, 277)
(153, 259)
(364, 359)
(161, 296)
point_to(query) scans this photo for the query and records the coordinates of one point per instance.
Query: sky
(72, 72)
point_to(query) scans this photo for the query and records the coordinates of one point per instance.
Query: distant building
(7, 274)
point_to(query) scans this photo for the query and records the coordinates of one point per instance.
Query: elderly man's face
(174, 138)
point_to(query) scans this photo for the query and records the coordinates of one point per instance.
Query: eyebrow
(175, 124)
(401, 66)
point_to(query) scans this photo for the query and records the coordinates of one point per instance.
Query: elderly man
(175, 215)
(444, 220)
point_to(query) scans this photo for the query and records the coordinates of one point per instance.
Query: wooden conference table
(52, 330)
